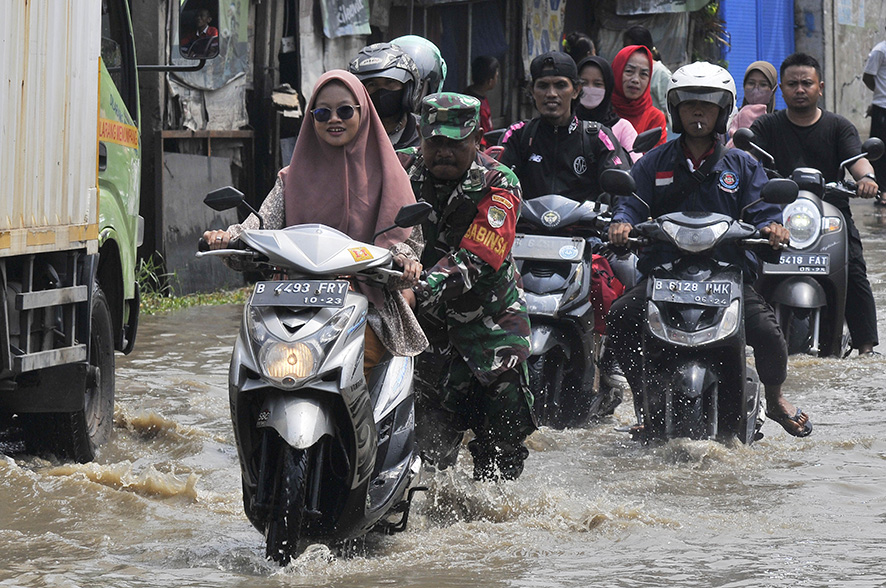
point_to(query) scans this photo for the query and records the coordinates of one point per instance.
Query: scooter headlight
(288, 356)
(287, 362)
(695, 239)
(574, 288)
(803, 220)
(725, 327)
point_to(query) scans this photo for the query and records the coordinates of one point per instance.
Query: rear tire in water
(796, 325)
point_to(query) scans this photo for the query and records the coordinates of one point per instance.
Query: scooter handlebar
(846, 188)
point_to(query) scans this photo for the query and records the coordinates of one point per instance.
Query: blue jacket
(734, 182)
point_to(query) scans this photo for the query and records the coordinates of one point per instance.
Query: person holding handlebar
(697, 173)
(804, 135)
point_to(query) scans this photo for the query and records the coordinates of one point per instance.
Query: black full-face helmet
(384, 60)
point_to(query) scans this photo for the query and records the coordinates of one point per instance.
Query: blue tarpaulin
(759, 30)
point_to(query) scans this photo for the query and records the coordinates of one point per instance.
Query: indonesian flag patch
(491, 235)
(664, 178)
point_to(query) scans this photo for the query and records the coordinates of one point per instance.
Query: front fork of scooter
(261, 500)
(268, 483)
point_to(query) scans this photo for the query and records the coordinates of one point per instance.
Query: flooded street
(161, 506)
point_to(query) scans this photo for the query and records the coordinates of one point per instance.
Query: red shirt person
(632, 68)
(203, 30)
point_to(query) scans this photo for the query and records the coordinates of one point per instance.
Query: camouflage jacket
(473, 297)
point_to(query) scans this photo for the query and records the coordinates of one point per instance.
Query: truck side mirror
(198, 22)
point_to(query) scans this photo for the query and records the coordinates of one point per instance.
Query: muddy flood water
(161, 506)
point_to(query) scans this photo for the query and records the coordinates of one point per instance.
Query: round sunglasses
(344, 112)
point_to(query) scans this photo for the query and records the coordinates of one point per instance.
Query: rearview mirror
(409, 216)
(874, 148)
(779, 191)
(224, 198)
(198, 29)
(618, 182)
(742, 139)
(646, 140)
(413, 214)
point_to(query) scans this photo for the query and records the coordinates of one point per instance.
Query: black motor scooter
(696, 381)
(554, 259)
(807, 288)
(553, 249)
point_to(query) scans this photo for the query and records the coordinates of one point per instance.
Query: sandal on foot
(785, 420)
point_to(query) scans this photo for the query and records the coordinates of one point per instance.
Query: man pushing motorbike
(473, 375)
(697, 173)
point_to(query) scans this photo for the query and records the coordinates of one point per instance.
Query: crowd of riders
(388, 135)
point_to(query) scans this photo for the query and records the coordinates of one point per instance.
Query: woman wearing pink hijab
(632, 68)
(345, 174)
(759, 86)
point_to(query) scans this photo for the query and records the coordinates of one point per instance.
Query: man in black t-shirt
(804, 135)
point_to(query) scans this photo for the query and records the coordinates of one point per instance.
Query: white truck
(69, 226)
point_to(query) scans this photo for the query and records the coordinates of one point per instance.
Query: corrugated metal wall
(49, 52)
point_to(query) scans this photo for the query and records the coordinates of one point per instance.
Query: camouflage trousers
(450, 400)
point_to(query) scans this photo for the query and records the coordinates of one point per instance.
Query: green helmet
(426, 55)
(448, 114)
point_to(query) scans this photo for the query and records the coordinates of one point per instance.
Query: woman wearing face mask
(759, 96)
(345, 174)
(595, 101)
(632, 69)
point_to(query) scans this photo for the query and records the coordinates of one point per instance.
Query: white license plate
(800, 263)
(689, 292)
(300, 293)
(546, 247)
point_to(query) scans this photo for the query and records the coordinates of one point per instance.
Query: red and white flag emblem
(664, 178)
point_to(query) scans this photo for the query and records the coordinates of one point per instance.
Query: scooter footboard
(300, 421)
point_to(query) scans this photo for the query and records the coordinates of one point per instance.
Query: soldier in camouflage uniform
(473, 376)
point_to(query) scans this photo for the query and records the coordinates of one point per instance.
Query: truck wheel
(77, 435)
(92, 426)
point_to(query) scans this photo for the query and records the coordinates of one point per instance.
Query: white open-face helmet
(705, 82)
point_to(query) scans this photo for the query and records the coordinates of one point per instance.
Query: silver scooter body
(302, 410)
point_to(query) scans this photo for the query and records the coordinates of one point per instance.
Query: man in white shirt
(874, 78)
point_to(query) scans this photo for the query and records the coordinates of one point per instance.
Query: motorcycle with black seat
(696, 380)
(554, 259)
(554, 248)
(325, 455)
(807, 287)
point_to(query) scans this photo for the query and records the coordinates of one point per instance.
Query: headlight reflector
(695, 239)
(287, 361)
